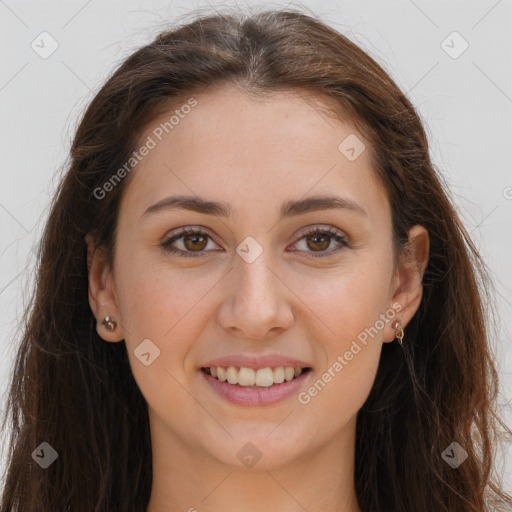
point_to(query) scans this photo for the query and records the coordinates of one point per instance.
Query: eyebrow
(221, 209)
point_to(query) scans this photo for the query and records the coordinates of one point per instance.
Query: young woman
(254, 294)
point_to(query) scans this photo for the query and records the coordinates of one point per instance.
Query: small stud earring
(109, 324)
(400, 331)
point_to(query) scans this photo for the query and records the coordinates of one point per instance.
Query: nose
(257, 304)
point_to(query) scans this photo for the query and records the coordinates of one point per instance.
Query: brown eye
(195, 242)
(190, 242)
(319, 242)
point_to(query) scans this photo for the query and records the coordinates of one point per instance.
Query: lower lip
(252, 396)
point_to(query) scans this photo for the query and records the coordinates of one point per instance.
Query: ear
(408, 279)
(102, 298)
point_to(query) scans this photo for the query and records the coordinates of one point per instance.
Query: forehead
(246, 148)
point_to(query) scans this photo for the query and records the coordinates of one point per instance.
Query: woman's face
(257, 287)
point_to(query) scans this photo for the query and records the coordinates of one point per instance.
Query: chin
(262, 450)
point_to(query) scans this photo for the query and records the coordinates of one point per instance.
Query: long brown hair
(77, 393)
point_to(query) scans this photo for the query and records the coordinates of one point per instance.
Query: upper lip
(255, 362)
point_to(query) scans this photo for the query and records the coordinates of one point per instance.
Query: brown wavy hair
(74, 391)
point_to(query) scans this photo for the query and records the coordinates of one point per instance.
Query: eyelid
(334, 233)
(181, 232)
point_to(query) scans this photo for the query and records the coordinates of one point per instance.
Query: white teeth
(279, 375)
(232, 375)
(221, 373)
(264, 377)
(248, 377)
(289, 373)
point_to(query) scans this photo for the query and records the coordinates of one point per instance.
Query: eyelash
(331, 232)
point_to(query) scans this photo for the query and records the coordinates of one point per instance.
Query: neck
(187, 479)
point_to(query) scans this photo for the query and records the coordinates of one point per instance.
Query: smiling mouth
(255, 378)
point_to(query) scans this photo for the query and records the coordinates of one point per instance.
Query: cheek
(155, 295)
(350, 356)
(166, 305)
(349, 308)
(338, 392)
(347, 300)
(163, 305)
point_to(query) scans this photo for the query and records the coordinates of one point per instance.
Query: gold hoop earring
(109, 324)
(400, 332)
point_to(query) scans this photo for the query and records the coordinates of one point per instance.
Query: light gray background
(466, 104)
